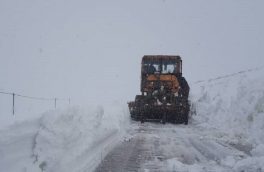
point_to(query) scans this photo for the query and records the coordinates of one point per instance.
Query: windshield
(163, 67)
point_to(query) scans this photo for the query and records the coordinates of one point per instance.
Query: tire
(163, 121)
(142, 120)
(186, 120)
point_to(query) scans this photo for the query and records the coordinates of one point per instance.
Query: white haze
(91, 51)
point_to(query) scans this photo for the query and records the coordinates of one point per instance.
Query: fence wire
(229, 75)
(33, 98)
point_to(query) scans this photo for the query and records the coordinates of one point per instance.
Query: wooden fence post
(13, 104)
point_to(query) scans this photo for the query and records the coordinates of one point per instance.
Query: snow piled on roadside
(75, 139)
(235, 106)
(16, 143)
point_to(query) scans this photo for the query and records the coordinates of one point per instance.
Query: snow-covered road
(157, 147)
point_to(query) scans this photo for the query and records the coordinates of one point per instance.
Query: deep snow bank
(75, 139)
(235, 105)
(16, 143)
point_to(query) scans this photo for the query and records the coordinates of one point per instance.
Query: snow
(225, 134)
(74, 139)
(235, 107)
(16, 144)
(91, 52)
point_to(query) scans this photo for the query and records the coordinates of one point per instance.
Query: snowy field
(225, 134)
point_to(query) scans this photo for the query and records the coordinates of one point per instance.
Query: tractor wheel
(142, 119)
(163, 121)
(186, 120)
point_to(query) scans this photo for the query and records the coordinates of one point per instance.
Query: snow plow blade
(176, 113)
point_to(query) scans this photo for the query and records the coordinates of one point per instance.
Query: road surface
(156, 147)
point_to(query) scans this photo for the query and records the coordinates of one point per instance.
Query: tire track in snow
(154, 147)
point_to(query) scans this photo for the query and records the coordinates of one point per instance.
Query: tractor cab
(161, 65)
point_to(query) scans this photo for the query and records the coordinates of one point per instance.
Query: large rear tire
(186, 121)
(142, 120)
(164, 119)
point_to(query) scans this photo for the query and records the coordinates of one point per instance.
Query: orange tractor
(164, 91)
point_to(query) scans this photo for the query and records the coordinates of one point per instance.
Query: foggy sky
(91, 50)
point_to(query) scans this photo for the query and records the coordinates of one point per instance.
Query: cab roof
(155, 58)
